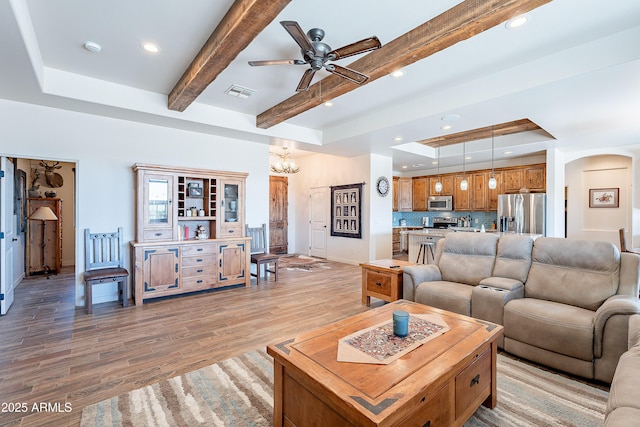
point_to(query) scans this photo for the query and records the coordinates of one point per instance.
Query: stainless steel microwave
(440, 203)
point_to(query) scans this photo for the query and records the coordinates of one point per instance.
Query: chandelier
(284, 165)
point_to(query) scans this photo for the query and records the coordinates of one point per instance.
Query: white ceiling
(574, 70)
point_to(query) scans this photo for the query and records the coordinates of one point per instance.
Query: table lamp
(44, 213)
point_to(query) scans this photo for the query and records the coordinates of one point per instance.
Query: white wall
(322, 170)
(602, 171)
(104, 150)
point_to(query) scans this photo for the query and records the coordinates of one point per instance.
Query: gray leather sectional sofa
(563, 303)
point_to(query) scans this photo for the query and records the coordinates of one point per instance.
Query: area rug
(239, 392)
(302, 263)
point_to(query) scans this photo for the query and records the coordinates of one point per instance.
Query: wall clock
(382, 186)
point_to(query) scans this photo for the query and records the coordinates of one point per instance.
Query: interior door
(278, 216)
(318, 220)
(8, 226)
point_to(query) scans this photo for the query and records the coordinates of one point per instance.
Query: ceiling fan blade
(306, 80)
(366, 45)
(277, 62)
(347, 73)
(298, 35)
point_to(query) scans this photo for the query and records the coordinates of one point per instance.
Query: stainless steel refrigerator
(522, 213)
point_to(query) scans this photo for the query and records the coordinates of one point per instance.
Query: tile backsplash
(414, 219)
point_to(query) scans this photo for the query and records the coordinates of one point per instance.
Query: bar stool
(424, 246)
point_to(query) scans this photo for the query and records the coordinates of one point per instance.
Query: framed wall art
(346, 206)
(604, 197)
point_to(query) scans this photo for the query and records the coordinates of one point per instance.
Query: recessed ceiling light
(397, 138)
(397, 73)
(450, 117)
(418, 165)
(328, 104)
(507, 152)
(468, 158)
(446, 127)
(434, 162)
(405, 166)
(150, 47)
(93, 47)
(517, 22)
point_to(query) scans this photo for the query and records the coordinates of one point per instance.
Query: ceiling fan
(316, 54)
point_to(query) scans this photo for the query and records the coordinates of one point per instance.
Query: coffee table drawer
(473, 383)
(433, 412)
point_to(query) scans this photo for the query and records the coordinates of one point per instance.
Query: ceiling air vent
(239, 91)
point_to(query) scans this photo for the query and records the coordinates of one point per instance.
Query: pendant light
(492, 181)
(438, 183)
(464, 185)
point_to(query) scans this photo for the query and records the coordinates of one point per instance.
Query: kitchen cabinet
(535, 178)
(394, 187)
(462, 198)
(420, 192)
(492, 195)
(513, 180)
(405, 189)
(447, 185)
(478, 186)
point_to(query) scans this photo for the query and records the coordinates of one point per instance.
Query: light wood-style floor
(52, 352)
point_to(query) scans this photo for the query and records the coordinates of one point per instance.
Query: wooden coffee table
(441, 382)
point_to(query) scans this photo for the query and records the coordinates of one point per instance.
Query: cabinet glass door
(159, 200)
(231, 199)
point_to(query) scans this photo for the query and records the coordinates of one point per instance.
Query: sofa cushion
(576, 272)
(514, 257)
(450, 296)
(468, 257)
(560, 328)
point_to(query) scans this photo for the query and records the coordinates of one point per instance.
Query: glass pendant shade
(492, 182)
(464, 185)
(438, 183)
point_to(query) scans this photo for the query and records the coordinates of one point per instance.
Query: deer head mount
(54, 179)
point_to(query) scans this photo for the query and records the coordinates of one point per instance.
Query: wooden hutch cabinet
(190, 231)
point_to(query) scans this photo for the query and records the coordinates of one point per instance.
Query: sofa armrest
(614, 306)
(504, 283)
(491, 295)
(634, 331)
(414, 275)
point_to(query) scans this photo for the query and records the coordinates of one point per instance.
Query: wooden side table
(382, 279)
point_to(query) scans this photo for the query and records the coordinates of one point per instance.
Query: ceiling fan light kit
(316, 54)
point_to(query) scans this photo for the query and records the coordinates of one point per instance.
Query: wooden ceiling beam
(461, 22)
(242, 23)
(517, 126)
